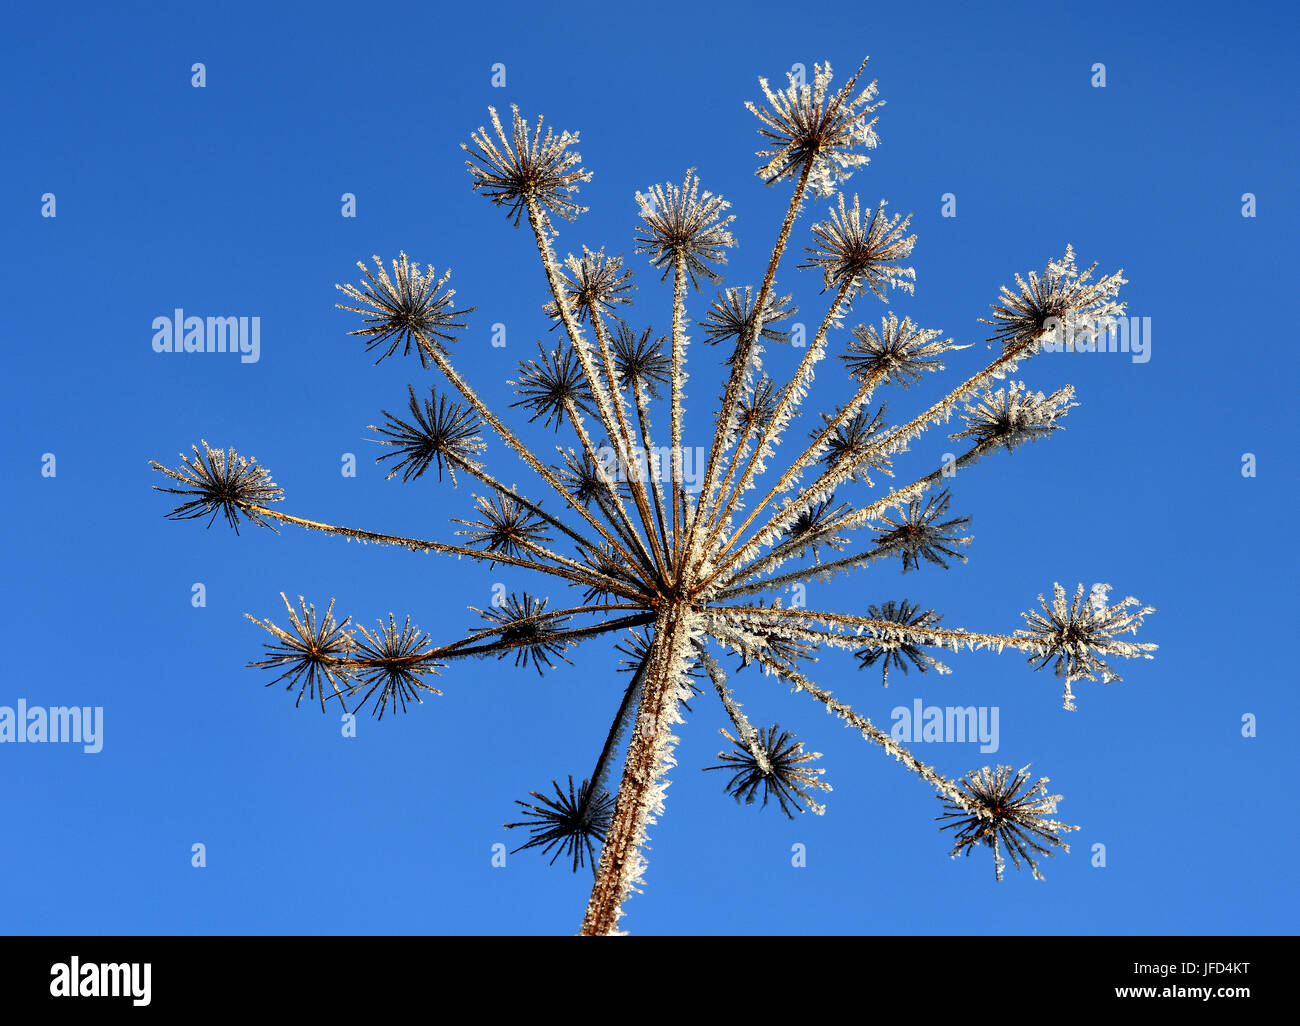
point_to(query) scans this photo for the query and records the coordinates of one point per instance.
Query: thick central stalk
(645, 771)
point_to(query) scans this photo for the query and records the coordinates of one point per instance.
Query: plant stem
(703, 505)
(649, 757)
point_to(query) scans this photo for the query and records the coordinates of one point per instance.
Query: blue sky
(225, 200)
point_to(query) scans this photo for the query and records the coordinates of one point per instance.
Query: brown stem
(527, 455)
(617, 512)
(574, 634)
(885, 447)
(675, 434)
(703, 505)
(588, 577)
(770, 433)
(649, 757)
(655, 472)
(581, 350)
(629, 443)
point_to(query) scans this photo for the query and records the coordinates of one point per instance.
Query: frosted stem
(649, 758)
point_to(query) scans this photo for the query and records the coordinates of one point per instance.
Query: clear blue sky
(226, 200)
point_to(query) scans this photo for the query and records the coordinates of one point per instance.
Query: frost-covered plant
(680, 574)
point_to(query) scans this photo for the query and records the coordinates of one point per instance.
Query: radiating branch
(744, 353)
(420, 545)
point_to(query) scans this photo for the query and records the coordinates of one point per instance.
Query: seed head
(552, 384)
(1079, 634)
(731, 318)
(526, 632)
(408, 308)
(569, 823)
(315, 653)
(900, 654)
(1012, 416)
(899, 351)
(920, 534)
(684, 222)
(853, 438)
(593, 283)
(1001, 817)
(639, 362)
(505, 525)
(394, 663)
(439, 430)
(1063, 301)
(861, 251)
(778, 765)
(513, 171)
(805, 125)
(222, 482)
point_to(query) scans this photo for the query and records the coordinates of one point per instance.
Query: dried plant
(899, 653)
(1000, 814)
(569, 823)
(774, 764)
(678, 574)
